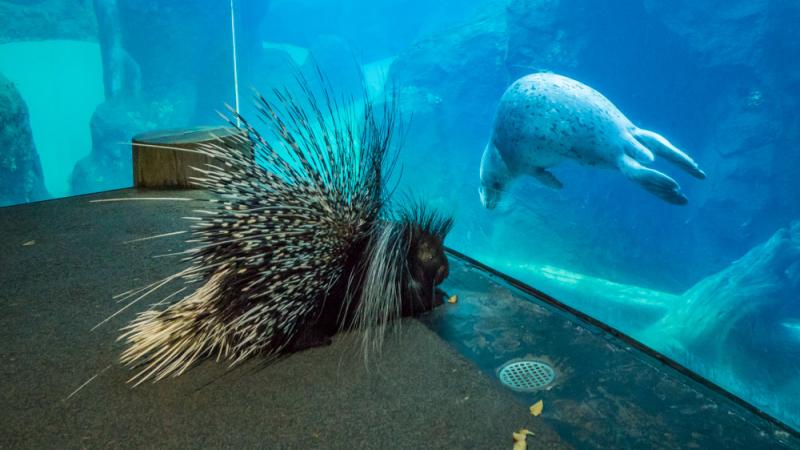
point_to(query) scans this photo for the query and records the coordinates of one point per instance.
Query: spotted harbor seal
(545, 119)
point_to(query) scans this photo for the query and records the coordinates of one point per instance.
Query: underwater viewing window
(80, 79)
(635, 161)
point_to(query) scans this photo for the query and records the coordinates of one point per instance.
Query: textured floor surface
(433, 386)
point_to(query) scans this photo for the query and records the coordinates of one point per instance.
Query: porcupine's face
(429, 268)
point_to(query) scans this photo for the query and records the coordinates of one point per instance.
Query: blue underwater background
(714, 284)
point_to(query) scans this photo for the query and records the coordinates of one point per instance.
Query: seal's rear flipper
(547, 178)
(662, 147)
(654, 181)
(637, 151)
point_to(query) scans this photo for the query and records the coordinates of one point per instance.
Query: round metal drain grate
(527, 375)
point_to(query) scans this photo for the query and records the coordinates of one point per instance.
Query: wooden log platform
(159, 159)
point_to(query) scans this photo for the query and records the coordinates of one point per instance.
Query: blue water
(719, 79)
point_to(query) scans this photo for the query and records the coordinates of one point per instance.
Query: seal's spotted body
(545, 119)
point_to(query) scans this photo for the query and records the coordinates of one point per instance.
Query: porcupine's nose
(441, 273)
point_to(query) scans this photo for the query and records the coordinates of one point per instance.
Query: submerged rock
(743, 45)
(158, 93)
(121, 73)
(21, 178)
(722, 32)
(448, 84)
(544, 36)
(742, 307)
(182, 46)
(110, 165)
(738, 326)
(462, 69)
(27, 20)
(376, 29)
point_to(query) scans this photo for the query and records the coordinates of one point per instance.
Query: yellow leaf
(519, 438)
(453, 299)
(536, 408)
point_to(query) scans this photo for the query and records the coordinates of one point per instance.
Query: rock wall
(752, 138)
(28, 20)
(738, 326)
(21, 178)
(375, 30)
(743, 307)
(184, 50)
(166, 65)
(446, 84)
(109, 165)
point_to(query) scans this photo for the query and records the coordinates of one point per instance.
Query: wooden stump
(160, 162)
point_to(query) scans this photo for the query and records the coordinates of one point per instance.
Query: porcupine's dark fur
(300, 241)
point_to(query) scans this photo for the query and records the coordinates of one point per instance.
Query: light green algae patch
(627, 307)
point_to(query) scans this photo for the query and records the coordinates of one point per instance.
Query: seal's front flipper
(547, 178)
(662, 147)
(654, 181)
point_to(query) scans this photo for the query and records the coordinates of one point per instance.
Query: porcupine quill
(299, 241)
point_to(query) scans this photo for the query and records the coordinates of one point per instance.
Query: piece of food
(519, 438)
(536, 408)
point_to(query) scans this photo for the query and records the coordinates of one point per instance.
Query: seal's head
(490, 194)
(494, 176)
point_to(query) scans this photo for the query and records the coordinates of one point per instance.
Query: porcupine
(300, 241)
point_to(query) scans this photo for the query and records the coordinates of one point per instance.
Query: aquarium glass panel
(648, 179)
(78, 79)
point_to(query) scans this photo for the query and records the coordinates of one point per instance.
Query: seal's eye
(495, 185)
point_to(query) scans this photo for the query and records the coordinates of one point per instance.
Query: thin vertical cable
(235, 69)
